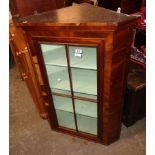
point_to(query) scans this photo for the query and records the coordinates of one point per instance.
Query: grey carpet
(30, 135)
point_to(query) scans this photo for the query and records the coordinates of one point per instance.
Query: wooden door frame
(91, 42)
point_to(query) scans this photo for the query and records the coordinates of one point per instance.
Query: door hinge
(45, 94)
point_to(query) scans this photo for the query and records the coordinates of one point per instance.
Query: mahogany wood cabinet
(80, 56)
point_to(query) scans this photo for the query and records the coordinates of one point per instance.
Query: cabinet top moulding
(79, 15)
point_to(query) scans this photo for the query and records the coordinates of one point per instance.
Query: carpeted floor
(30, 135)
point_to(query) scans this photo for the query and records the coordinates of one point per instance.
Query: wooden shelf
(59, 80)
(87, 59)
(81, 107)
(86, 108)
(84, 81)
(87, 124)
(65, 119)
(63, 103)
(56, 55)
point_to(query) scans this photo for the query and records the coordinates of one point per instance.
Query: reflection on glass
(58, 79)
(65, 119)
(82, 57)
(87, 124)
(63, 103)
(84, 81)
(54, 54)
(56, 67)
(86, 108)
(64, 111)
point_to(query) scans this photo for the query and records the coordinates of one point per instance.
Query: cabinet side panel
(119, 57)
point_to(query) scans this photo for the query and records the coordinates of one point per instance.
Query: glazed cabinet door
(70, 69)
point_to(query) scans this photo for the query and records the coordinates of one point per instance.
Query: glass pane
(82, 57)
(58, 79)
(65, 119)
(86, 108)
(63, 103)
(87, 124)
(54, 54)
(64, 111)
(84, 81)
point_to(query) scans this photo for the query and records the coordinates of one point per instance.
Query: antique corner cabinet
(79, 56)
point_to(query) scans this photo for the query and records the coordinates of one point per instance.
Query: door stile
(100, 83)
